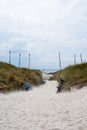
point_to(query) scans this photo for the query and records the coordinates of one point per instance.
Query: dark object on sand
(25, 85)
(59, 87)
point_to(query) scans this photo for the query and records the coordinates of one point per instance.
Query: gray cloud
(44, 27)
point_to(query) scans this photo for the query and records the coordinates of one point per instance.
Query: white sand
(43, 109)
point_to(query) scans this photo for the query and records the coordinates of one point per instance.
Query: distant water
(49, 70)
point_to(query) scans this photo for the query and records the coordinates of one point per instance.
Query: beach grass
(11, 77)
(75, 76)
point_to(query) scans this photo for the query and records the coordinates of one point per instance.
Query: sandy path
(43, 109)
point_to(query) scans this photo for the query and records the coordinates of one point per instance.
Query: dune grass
(11, 77)
(75, 76)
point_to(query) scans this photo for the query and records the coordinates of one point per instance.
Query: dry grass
(75, 75)
(11, 77)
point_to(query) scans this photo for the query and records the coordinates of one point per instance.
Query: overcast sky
(43, 28)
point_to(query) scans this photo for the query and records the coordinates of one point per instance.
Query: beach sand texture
(42, 109)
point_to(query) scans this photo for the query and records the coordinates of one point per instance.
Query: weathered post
(59, 66)
(29, 65)
(29, 62)
(59, 61)
(9, 57)
(74, 59)
(19, 60)
(81, 57)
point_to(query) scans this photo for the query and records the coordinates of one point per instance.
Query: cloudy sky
(43, 28)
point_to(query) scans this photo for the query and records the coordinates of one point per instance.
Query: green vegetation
(75, 76)
(11, 77)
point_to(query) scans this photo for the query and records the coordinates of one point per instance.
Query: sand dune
(43, 109)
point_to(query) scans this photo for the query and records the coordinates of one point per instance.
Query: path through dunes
(42, 109)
